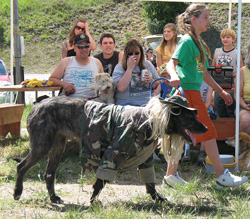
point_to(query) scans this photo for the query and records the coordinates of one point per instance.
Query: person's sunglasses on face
(133, 53)
(83, 46)
(80, 28)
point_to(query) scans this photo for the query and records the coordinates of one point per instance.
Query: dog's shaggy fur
(134, 130)
(244, 150)
(104, 88)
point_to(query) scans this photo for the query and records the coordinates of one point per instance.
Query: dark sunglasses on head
(132, 53)
(80, 28)
(83, 46)
(150, 52)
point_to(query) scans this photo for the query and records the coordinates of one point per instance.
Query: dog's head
(185, 123)
(173, 116)
(244, 142)
(104, 83)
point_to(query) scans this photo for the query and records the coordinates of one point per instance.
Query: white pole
(11, 46)
(230, 14)
(238, 86)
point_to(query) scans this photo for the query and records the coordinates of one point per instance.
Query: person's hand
(86, 28)
(147, 78)
(69, 88)
(175, 81)
(131, 62)
(247, 107)
(227, 97)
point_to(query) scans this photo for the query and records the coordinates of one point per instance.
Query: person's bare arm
(171, 69)
(157, 91)
(58, 74)
(212, 83)
(124, 82)
(214, 60)
(242, 102)
(209, 97)
(93, 45)
(120, 56)
(100, 67)
(158, 61)
(64, 49)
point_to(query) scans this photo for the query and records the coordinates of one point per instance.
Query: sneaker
(228, 179)
(201, 157)
(172, 180)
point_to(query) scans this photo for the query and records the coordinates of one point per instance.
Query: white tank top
(82, 76)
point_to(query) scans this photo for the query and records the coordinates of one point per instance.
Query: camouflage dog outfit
(115, 139)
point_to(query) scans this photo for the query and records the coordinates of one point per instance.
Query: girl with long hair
(188, 68)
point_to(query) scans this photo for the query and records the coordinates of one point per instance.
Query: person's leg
(213, 155)
(172, 177)
(224, 177)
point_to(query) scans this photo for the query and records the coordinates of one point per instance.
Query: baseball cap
(81, 38)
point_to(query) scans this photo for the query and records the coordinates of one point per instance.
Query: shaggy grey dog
(112, 138)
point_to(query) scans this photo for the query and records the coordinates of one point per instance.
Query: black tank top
(108, 64)
(71, 52)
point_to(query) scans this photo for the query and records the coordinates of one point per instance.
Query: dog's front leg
(98, 186)
(150, 187)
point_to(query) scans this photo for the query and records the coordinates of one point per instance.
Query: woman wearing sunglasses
(80, 26)
(133, 88)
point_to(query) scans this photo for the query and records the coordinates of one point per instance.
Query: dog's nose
(108, 87)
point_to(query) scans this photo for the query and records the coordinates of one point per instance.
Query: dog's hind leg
(31, 159)
(150, 188)
(54, 158)
(98, 186)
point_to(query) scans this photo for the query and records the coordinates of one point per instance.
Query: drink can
(143, 73)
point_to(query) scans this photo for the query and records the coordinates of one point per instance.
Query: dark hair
(108, 35)
(131, 45)
(72, 32)
(185, 26)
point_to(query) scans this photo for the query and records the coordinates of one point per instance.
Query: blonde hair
(228, 32)
(185, 26)
(164, 42)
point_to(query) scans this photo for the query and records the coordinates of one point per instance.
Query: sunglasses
(83, 46)
(132, 53)
(80, 28)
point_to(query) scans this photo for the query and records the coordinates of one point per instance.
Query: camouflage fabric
(115, 139)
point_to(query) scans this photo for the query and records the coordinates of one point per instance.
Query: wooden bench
(225, 127)
(10, 119)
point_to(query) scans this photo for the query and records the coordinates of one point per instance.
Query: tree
(161, 13)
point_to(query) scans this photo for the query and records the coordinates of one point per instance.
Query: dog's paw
(56, 199)
(158, 198)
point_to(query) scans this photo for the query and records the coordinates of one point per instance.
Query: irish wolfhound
(112, 138)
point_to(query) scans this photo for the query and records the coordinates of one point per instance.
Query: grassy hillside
(45, 24)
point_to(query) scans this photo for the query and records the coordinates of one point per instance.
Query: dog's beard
(172, 146)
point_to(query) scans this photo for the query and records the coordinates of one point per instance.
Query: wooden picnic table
(36, 89)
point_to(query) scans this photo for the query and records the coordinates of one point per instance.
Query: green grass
(197, 199)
